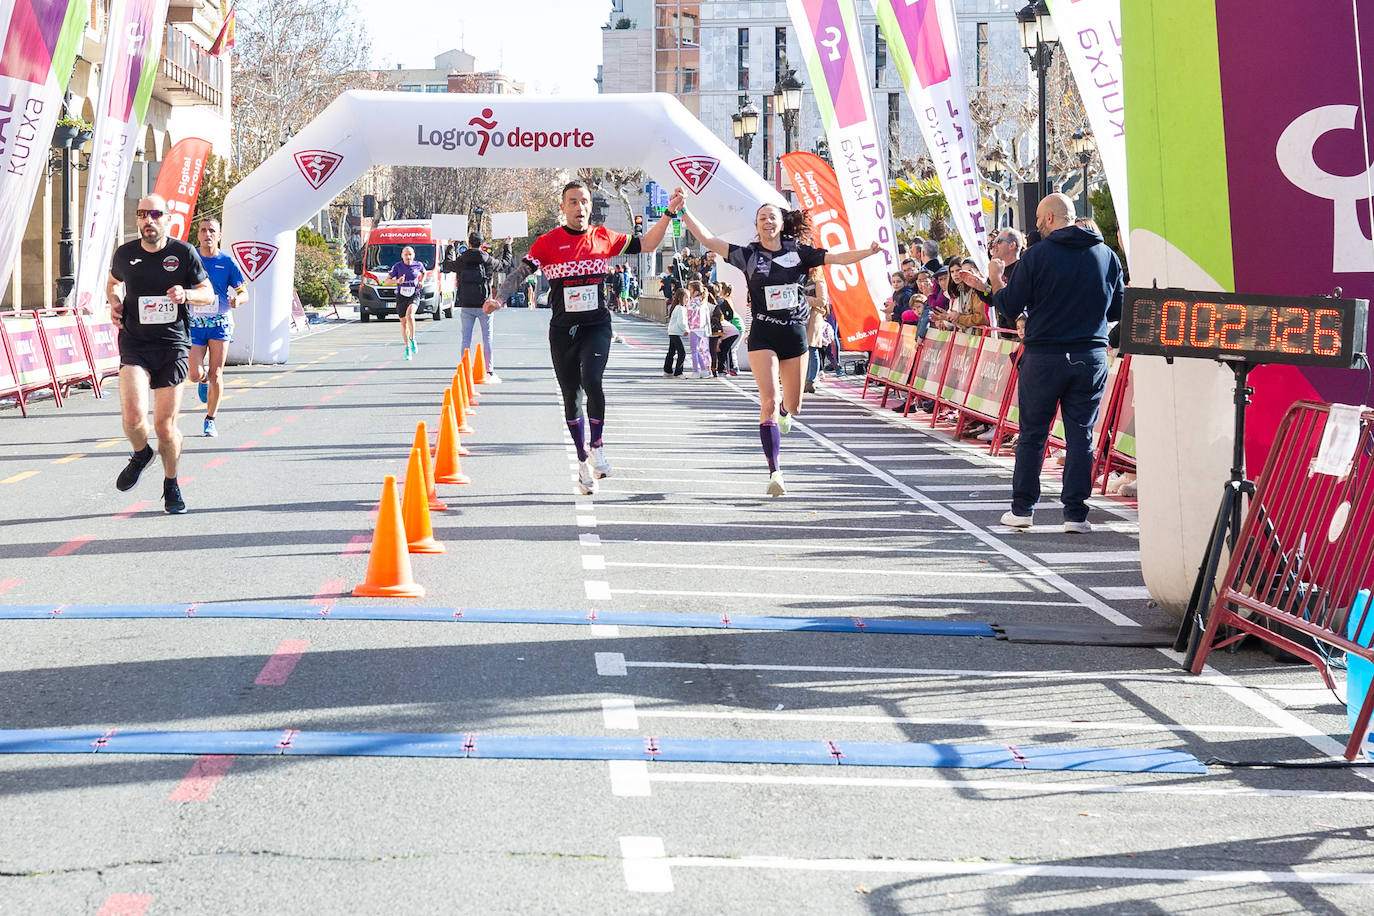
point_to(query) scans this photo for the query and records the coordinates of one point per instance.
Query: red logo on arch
(254, 257)
(317, 165)
(695, 171)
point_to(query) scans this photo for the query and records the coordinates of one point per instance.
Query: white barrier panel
(653, 132)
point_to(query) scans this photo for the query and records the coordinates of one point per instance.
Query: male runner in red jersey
(575, 259)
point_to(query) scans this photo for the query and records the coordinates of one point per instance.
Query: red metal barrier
(1304, 551)
(66, 349)
(884, 349)
(9, 377)
(29, 355)
(101, 339)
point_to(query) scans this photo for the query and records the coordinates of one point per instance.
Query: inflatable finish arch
(653, 132)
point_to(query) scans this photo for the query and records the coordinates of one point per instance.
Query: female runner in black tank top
(775, 266)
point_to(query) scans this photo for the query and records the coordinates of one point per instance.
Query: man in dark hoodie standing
(475, 269)
(1067, 288)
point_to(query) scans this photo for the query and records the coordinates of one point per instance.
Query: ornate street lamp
(1083, 147)
(992, 171)
(787, 99)
(748, 127)
(1038, 38)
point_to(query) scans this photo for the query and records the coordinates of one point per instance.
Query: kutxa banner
(178, 182)
(1239, 138)
(40, 38)
(833, 49)
(923, 44)
(133, 47)
(1090, 36)
(818, 191)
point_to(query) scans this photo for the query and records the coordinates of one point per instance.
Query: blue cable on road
(497, 615)
(294, 742)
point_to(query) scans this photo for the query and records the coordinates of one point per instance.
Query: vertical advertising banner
(1090, 36)
(40, 40)
(922, 42)
(818, 191)
(133, 47)
(833, 49)
(178, 182)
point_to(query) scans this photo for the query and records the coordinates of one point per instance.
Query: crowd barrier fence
(1305, 554)
(52, 350)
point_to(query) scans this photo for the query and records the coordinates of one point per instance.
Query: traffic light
(639, 225)
(599, 205)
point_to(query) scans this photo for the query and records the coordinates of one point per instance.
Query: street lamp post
(992, 171)
(477, 216)
(787, 96)
(746, 123)
(1038, 38)
(1083, 147)
(66, 244)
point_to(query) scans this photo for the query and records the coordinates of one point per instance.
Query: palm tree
(922, 197)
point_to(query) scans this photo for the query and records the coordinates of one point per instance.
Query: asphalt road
(884, 521)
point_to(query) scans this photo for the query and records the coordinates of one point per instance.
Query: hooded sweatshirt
(1069, 286)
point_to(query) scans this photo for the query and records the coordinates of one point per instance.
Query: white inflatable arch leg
(653, 132)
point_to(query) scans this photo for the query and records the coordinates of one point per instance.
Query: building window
(894, 126)
(780, 51)
(742, 59)
(879, 56)
(689, 80)
(981, 56)
(766, 136)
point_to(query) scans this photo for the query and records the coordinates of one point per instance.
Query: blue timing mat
(590, 747)
(496, 615)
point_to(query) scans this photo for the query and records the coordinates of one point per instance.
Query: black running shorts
(165, 367)
(788, 341)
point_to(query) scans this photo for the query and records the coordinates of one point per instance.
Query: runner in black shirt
(162, 278)
(775, 266)
(576, 258)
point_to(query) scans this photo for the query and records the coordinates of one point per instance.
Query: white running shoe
(775, 484)
(784, 423)
(492, 379)
(600, 466)
(586, 480)
(1012, 520)
(1083, 527)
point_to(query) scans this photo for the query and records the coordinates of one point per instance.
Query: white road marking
(1100, 556)
(619, 712)
(589, 540)
(646, 869)
(1002, 785)
(630, 778)
(1121, 527)
(1013, 870)
(598, 590)
(604, 630)
(935, 573)
(593, 561)
(1058, 724)
(951, 601)
(1124, 592)
(610, 664)
(782, 547)
(586, 521)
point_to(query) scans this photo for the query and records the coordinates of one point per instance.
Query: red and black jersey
(575, 264)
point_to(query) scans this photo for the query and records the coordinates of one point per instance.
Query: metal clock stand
(1225, 529)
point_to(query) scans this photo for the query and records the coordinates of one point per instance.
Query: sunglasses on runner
(149, 214)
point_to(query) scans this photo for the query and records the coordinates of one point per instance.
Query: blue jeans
(469, 316)
(1073, 383)
(813, 365)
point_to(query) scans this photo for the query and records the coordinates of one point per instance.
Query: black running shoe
(129, 476)
(172, 502)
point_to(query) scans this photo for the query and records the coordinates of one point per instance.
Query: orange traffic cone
(460, 393)
(415, 510)
(479, 366)
(448, 406)
(470, 379)
(455, 400)
(447, 467)
(388, 565)
(422, 446)
(465, 370)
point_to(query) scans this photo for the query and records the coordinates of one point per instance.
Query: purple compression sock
(772, 443)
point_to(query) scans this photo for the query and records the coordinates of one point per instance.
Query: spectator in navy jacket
(1067, 287)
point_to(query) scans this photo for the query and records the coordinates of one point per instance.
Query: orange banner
(818, 190)
(178, 181)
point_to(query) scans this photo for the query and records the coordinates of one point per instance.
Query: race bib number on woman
(580, 299)
(779, 298)
(205, 311)
(156, 310)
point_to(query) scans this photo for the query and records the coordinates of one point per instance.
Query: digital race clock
(1299, 331)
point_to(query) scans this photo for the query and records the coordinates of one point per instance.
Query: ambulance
(377, 293)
